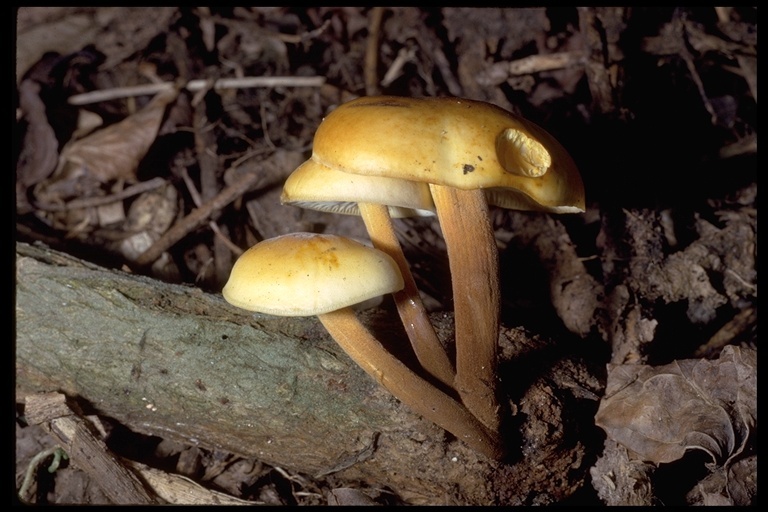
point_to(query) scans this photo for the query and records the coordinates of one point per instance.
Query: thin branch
(372, 52)
(404, 55)
(197, 85)
(212, 224)
(89, 202)
(87, 450)
(197, 217)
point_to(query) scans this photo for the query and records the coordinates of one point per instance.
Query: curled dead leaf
(110, 154)
(39, 152)
(735, 485)
(660, 412)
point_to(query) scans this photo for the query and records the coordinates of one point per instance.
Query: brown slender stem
(421, 333)
(415, 392)
(474, 264)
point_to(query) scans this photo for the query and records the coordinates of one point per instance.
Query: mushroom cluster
(383, 157)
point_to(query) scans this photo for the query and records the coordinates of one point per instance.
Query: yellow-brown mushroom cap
(316, 186)
(453, 142)
(304, 274)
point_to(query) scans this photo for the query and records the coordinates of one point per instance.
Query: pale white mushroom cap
(304, 274)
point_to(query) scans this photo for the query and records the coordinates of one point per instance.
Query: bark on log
(172, 361)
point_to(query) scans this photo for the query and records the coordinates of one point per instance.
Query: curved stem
(474, 264)
(421, 333)
(415, 392)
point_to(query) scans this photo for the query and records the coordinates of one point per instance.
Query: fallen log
(173, 361)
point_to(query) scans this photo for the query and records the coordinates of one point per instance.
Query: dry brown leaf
(40, 148)
(732, 486)
(110, 154)
(347, 496)
(660, 412)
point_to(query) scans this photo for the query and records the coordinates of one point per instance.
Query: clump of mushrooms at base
(382, 157)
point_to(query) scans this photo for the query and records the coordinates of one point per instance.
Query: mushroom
(470, 153)
(377, 199)
(304, 274)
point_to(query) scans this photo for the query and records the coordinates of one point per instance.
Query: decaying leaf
(149, 216)
(110, 154)
(349, 496)
(735, 485)
(38, 158)
(660, 412)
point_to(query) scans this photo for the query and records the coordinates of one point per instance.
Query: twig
(205, 146)
(445, 71)
(501, 71)
(197, 85)
(306, 36)
(286, 38)
(739, 324)
(685, 54)
(265, 127)
(89, 202)
(86, 449)
(746, 145)
(404, 56)
(197, 217)
(212, 224)
(595, 63)
(372, 52)
(180, 490)
(546, 62)
(748, 70)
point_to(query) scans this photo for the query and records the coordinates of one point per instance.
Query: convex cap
(305, 274)
(452, 142)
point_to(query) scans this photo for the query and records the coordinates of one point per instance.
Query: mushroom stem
(415, 392)
(429, 351)
(474, 265)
